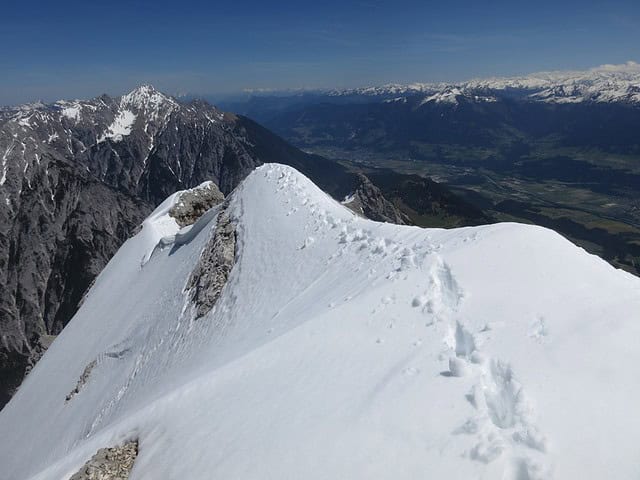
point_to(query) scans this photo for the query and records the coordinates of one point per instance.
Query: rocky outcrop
(193, 203)
(212, 271)
(82, 381)
(368, 200)
(113, 463)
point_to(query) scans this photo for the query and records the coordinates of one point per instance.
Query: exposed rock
(40, 346)
(71, 193)
(193, 203)
(212, 271)
(84, 378)
(367, 200)
(110, 463)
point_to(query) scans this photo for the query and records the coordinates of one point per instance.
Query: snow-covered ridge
(146, 97)
(143, 98)
(607, 83)
(341, 348)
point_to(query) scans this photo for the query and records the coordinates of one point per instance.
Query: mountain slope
(338, 347)
(76, 179)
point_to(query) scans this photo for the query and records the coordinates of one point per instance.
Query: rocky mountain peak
(146, 97)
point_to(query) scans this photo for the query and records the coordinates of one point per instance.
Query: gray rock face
(113, 463)
(193, 203)
(76, 179)
(368, 200)
(82, 381)
(58, 229)
(212, 271)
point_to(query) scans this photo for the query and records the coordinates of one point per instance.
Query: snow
(153, 106)
(72, 112)
(446, 96)
(145, 96)
(146, 100)
(606, 83)
(121, 126)
(342, 348)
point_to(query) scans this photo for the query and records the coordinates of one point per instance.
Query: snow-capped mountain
(77, 177)
(282, 336)
(604, 84)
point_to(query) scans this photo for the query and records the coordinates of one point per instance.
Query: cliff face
(76, 179)
(244, 346)
(57, 235)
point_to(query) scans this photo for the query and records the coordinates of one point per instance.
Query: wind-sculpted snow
(340, 348)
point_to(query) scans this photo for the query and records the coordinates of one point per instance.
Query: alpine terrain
(558, 149)
(278, 334)
(78, 177)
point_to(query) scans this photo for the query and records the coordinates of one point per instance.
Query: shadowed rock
(215, 264)
(368, 201)
(84, 378)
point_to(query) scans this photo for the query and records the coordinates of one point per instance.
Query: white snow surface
(121, 126)
(342, 348)
(71, 110)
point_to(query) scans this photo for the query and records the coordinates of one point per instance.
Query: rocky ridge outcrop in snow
(193, 203)
(84, 378)
(78, 177)
(114, 463)
(212, 270)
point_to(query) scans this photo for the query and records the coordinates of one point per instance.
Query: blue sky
(69, 49)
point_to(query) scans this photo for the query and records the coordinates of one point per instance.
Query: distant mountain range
(607, 83)
(603, 84)
(561, 149)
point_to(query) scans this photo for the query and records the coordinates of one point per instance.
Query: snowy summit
(282, 336)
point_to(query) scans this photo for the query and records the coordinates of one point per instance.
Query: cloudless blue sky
(68, 49)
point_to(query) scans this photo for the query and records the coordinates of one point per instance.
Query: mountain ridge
(331, 367)
(77, 177)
